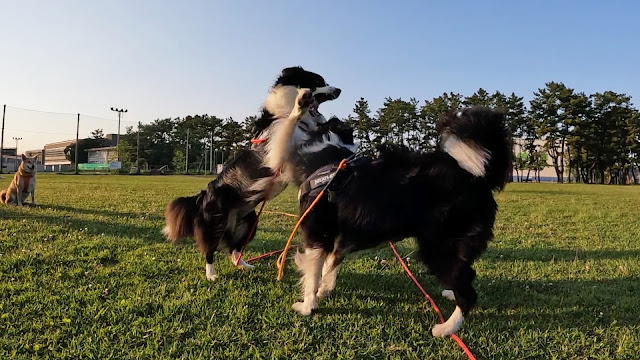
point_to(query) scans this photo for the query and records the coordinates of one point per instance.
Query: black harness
(326, 174)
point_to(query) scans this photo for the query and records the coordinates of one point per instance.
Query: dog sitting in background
(23, 183)
(223, 214)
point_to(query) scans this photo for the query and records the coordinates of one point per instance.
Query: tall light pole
(119, 111)
(17, 139)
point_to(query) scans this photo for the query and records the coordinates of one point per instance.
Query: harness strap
(26, 179)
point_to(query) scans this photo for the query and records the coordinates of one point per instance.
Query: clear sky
(169, 59)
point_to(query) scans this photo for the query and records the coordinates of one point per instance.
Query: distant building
(9, 160)
(54, 157)
(10, 151)
(102, 155)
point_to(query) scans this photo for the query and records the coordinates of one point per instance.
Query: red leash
(415, 281)
(433, 304)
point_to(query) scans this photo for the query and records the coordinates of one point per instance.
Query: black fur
(402, 193)
(292, 76)
(224, 213)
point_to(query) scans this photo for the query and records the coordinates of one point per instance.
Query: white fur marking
(241, 263)
(471, 158)
(280, 144)
(166, 230)
(324, 90)
(310, 265)
(452, 325)
(449, 295)
(211, 272)
(329, 275)
(334, 140)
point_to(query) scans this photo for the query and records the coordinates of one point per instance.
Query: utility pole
(4, 110)
(211, 155)
(119, 111)
(77, 145)
(186, 158)
(138, 150)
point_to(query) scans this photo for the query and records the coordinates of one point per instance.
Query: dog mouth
(326, 93)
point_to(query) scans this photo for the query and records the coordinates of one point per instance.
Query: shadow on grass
(544, 255)
(101, 212)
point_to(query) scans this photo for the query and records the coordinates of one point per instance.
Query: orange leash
(283, 257)
(255, 223)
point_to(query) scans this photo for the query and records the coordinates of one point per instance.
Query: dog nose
(336, 92)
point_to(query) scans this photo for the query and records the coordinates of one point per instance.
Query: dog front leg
(209, 270)
(310, 265)
(19, 194)
(33, 197)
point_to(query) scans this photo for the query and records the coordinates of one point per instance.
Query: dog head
(28, 165)
(284, 91)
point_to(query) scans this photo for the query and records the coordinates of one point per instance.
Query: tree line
(586, 138)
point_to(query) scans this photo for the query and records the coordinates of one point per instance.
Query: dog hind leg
(330, 271)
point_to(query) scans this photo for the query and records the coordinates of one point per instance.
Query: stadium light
(119, 111)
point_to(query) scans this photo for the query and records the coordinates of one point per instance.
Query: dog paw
(304, 98)
(244, 265)
(212, 277)
(323, 292)
(449, 295)
(302, 308)
(441, 330)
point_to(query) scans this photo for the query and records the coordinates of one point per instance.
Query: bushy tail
(180, 217)
(479, 140)
(4, 196)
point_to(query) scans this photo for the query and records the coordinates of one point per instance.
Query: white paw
(241, 264)
(441, 330)
(450, 326)
(302, 308)
(449, 295)
(212, 277)
(244, 265)
(304, 98)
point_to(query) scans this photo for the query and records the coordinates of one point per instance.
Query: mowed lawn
(87, 274)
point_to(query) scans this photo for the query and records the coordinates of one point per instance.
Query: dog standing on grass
(23, 184)
(221, 217)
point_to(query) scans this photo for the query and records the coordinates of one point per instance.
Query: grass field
(86, 274)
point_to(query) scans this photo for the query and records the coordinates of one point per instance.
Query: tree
(97, 134)
(431, 113)
(550, 109)
(366, 129)
(479, 98)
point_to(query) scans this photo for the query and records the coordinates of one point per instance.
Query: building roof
(59, 144)
(101, 148)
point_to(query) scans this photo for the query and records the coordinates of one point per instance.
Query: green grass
(86, 274)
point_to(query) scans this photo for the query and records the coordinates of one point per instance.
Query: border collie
(442, 198)
(224, 213)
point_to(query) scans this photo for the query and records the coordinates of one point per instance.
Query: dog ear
(292, 70)
(24, 158)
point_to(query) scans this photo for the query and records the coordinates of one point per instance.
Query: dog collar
(258, 141)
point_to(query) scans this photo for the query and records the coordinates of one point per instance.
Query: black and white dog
(223, 214)
(442, 198)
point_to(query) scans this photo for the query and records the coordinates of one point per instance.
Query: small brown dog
(23, 184)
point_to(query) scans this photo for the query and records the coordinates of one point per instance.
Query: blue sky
(169, 59)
